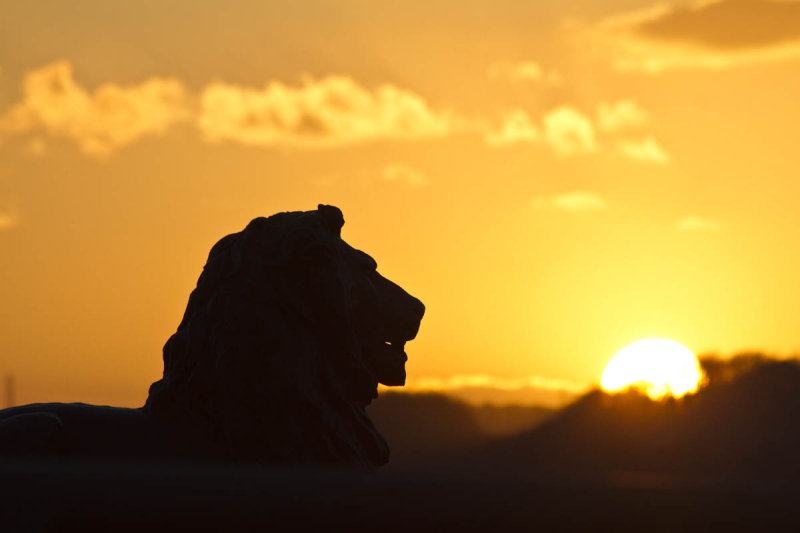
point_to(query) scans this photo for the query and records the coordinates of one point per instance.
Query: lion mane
(283, 344)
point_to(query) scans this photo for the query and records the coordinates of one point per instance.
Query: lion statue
(282, 346)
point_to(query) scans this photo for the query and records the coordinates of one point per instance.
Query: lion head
(283, 344)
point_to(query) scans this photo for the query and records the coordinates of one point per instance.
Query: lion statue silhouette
(282, 346)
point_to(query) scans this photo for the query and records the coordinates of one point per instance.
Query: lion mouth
(395, 350)
(395, 346)
(388, 362)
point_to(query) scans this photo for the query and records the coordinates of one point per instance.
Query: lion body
(90, 431)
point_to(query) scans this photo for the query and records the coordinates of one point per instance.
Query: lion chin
(281, 347)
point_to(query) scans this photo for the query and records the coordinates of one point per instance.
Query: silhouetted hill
(423, 426)
(508, 420)
(744, 423)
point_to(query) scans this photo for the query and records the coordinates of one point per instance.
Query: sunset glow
(552, 179)
(657, 367)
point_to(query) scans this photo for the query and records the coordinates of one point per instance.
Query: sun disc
(658, 367)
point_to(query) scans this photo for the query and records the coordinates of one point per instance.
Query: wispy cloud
(569, 131)
(482, 389)
(101, 121)
(328, 112)
(728, 24)
(620, 115)
(696, 223)
(703, 35)
(522, 71)
(332, 111)
(575, 201)
(484, 380)
(648, 150)
(516, 127)
(404, 174)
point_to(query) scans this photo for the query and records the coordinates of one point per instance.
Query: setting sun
(659, 367)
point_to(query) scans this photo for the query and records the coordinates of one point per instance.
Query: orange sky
(553, 179)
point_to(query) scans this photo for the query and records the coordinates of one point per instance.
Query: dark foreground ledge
(104, 496)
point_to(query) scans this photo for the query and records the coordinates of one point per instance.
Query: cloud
(620, 115)
(110, 117)
(696, 223)
(576, 201)
(332, 111)
(703, 35)
(648, 150)
(404, 174)
(729, 24)
(484, 380)
(517, 128)
(523, 71)
(329, 112)
(569, 131)
(565, 129)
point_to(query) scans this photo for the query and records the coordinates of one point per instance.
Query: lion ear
(332, 218)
